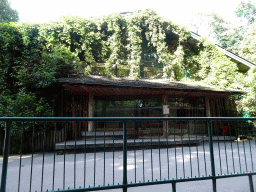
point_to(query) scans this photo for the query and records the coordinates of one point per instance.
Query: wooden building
(98, 96)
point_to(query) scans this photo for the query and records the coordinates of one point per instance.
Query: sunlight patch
(129, 167)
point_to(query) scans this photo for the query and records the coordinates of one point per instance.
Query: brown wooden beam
(165, 123)
(207, 106)
(91, 112)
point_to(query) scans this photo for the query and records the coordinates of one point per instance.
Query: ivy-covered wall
(142, 44)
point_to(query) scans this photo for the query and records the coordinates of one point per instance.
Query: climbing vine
(117, 45)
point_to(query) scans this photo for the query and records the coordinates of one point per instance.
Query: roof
(228, 53)
(144, 83)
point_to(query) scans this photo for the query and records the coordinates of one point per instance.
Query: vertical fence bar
(5, 155)
(152, 171)
(234, 169)
(225, 146)
(191, 170)
(134, 148)
(251, 183)
(167, 146)
(125, 156)
(173, 187)
(85, 134)
(21, 139)
(113, 136)
(205, 166)
(211, 155)
(94, 155)
(54, 154)
(104, 170)
(143, 156)
(44, 142)
(250, 149)
(32, 157)
(197, 154)
(245, 160)
(64, 158)
(175, 153)
(238, 149)
(182, 151)
(76, 127)
(159, 153)
(220, 162)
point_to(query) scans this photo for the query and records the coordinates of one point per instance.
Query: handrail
(120, 118)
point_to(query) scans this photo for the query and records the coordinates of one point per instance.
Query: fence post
(173, 187)
(125, 156)
(251, 183)
(211, 155)
(5, 155)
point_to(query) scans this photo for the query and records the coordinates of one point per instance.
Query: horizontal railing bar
(121, 118)
(155, 182)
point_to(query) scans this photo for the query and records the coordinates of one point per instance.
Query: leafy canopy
(247, 11)
(7, 14)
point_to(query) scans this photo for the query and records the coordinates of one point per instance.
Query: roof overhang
(99, 85)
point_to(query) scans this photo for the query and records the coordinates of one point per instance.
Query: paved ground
(193, 161)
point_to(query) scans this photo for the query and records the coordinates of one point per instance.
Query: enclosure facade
(98, 96)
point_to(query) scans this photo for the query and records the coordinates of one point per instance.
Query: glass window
(187, 106)
(143, 107)
(139, 107)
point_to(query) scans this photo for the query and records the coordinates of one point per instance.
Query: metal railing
(58, 154)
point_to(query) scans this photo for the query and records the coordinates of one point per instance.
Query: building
(99, 96)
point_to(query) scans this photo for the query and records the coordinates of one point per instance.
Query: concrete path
(193, 161)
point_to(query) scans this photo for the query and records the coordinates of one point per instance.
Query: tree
(247, 11)
(247, 47)
(231, 39)
(224, 32)
(196, 21)
(7, 14)
(26, 66)
(214, 67)
(217, 25)
(11, 44)
(248, 103)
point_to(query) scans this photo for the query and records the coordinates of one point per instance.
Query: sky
(177, 11)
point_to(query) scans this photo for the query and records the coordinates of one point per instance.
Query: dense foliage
(247, 11)
(143, 44)
(248, 51)
(26, 66)
(7, 14)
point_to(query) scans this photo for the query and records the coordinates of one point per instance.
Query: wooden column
(73, 111)
(165, 123)
(207, 106)
(91, 112)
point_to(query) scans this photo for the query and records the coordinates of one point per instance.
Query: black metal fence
(59, 154)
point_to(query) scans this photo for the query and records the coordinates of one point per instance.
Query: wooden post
(73, 111)
(207, 106)
(165, 123)
(91, 112)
